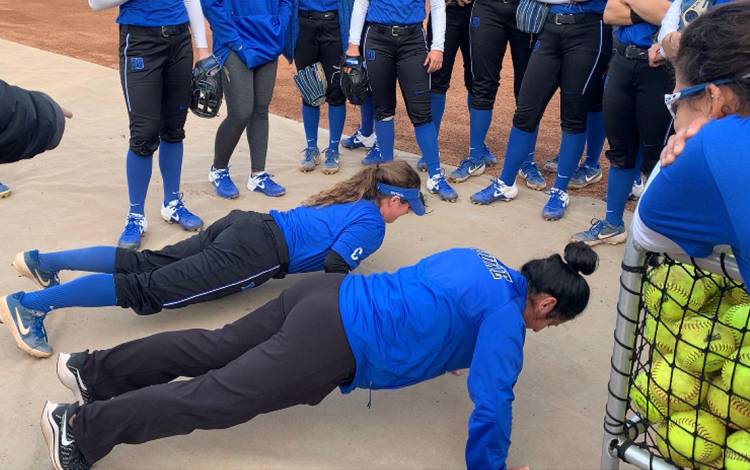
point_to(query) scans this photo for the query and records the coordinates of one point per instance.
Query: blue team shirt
(700, 200)
(455, 309)
(354, 230)
(318, 5)
(592, 6)
(396, 12)
(641, 34)
(153, 13)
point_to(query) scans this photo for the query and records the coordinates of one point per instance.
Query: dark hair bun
(581, 258)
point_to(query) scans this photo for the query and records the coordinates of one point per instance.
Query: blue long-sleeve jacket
(255, 30)
(455, 309)
(345, 18)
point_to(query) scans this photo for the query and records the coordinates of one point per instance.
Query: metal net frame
(679, 388)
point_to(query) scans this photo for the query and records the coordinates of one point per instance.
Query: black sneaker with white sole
(68, 371)
(58, 433)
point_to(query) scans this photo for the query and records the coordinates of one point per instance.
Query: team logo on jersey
(497, 271)
(475, 22)
(370, 55)
(356, 254)
(136, 64)
(537, 44)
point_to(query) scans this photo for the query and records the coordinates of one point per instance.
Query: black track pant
(239, 251)
(456, 38)
(568, 56)
(393, 55)
(155, 71)
(493, 27)
(291, 351)
(633, 114)
(320, 41)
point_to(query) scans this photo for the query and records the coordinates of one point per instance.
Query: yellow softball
(660, 333)
(671, 386)
(736, 372)
(737, 319)
(737, 456)
(704, 344)
(646, 409)
(699, 436)
(738, 295)
(666, 451)
(734, 409)
(669, 291)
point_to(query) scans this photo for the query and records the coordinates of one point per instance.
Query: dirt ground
(70, 28)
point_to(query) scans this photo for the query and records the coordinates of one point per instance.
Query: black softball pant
(320, 41)
(568, 56)
(634, 116)
(291, 351)
(237, 252)
(398, 56)
(156, 66)
(493, 28)
(456, 38)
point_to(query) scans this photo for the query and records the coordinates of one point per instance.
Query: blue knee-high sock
(336, 118)
(386, 138)
(437, 101)
(94, 290)
(638, 164)
(618, 187)
(170, 165)
(427, 139)
(595, 136)
(95, 259)
(520, 144)
(367, 117)
(138, 172)
(479, 125)
(532, 150)
(571, 146)
(311, 121)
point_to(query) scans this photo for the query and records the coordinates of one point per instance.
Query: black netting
(689, 380)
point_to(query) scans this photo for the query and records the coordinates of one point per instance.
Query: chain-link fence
(679, 389)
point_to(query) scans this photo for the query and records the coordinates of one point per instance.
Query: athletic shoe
(637, 190)
(262, 183)
(4, 191)
(331, 163)
(437, 184)
(26, 326)
(176, 212)
(489, 159)
(374, 157)
(421, 164)
(58, 434)
(496, 191)
(135, 227)
(466, 169)
(27, 265)
(601, 232)
(223, 184)
(68, 371)
(550, 166)
(310, 160)
(585, 176)
(555, 207)
(359, 141)
(534, 179)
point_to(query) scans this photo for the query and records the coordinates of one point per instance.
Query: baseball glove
(354, 81)
(312, 84)
(206, 92)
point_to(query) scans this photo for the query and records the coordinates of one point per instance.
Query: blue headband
(412, 196)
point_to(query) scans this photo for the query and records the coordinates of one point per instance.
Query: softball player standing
(567, 55)
(156, 63)
(395, 48)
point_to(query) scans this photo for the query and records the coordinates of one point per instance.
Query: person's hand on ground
(434, 61)
(67, 113)
(655, 58)
(676, 143)
(457, 372)
(521, 468)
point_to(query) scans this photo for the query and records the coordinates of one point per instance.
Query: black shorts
(456, 38)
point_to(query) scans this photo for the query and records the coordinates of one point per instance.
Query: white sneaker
(637, 190)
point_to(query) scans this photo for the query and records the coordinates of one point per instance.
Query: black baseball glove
(206, 92)
(354, 81)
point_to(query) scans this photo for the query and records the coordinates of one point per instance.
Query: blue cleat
(359, 141)
(27, 265)
(489, 159)
(496, 191)
(534, 179)
(262, 183)
(585, 176)
(556, 204)
(26, 326)
(374, 157)
(176, 212)
(437, 184)
(550, 166)
(421, 164)
(135, 227)
(310, 160)
(4, 190)
(601, 232)
(466, 169)
(223, 184)
(331, 162)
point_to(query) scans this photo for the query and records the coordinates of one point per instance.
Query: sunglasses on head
(672, 100)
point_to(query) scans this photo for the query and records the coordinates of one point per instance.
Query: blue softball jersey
(354, 230)
(318, 5)
(153, 13)
(700, 200)
(455, 309)
(591, 6)
(396, 12)
(640, 35)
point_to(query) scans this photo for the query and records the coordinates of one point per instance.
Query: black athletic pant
(456, 38)
(239, 251)
(568, 56)
(634, 116)
(320, 41)
(291, 351)
(493, 27)
(155, 71)
(391, 53)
